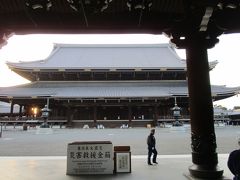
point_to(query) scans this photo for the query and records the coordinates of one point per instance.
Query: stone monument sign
(90, 157)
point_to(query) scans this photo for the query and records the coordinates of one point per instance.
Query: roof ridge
(112, 45)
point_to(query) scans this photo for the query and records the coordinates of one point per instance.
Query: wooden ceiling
(177, 18)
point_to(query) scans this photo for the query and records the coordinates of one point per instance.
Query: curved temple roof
(110, 56)
(78, 90)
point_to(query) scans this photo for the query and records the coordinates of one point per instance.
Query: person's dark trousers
(150, 152)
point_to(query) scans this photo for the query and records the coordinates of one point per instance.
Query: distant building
(229, 116)
(234, 117)
(107, 84)
(5, 109)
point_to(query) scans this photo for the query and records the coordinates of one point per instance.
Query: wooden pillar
(155, 115)
(204, 155)
(20, 110)
(69, 116)
(95, 115)
(11, 109)
(130, 115)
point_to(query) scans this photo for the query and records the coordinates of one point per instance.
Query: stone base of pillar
(207, 172)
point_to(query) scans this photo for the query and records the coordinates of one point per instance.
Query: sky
(37, 47)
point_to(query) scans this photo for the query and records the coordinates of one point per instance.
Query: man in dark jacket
(234, 163)
(151, 142)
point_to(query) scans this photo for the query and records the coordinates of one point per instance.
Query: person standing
(234, 163)
(151, 142)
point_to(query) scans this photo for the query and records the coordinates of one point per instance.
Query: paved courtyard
(41, 153)
(53, 142)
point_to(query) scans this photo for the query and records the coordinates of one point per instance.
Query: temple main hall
(105, 84)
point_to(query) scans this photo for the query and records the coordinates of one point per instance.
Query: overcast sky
(36, 47)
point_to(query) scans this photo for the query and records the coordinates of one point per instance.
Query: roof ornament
(139, 4)
(94, 6)
(39, 4)
(206, 18)
(4, 36)
(230, 4)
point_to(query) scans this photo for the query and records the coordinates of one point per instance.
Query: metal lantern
(45, 114)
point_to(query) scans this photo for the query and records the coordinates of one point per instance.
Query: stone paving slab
(170, 167)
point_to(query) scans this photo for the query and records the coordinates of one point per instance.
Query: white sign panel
(123, 162)
(95, 157)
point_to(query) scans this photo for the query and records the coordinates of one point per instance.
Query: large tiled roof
(125, 56)
(134, 89)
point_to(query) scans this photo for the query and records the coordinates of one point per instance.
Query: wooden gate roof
(177, 18)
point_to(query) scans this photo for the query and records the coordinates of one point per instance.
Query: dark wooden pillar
(204, 155)
(11, 109)
(20, 110)
(130, 115)
(155, 116)
(69, 116)
(95, 115)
